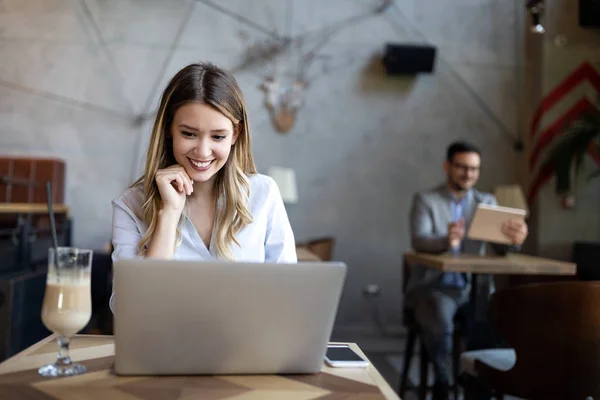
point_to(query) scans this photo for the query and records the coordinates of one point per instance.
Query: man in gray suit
(438, 221)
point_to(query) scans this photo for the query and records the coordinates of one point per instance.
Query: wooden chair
(554, 329)
(414, 332)
(322, 247)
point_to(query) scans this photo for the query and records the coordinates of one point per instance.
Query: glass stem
(63, 351)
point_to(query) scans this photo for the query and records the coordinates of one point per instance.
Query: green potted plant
(567, 156)
(568, 153)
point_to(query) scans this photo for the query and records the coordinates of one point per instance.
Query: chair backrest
(555, 331)
(322, 247)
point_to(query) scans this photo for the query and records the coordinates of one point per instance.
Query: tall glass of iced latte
(67, 306)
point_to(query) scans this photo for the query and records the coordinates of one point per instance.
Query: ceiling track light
(536, 9)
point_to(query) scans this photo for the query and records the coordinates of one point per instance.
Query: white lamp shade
(286, 181)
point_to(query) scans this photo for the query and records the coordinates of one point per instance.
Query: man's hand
(515, 230)
(456, 233)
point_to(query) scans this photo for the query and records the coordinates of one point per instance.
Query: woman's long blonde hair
(203, 83)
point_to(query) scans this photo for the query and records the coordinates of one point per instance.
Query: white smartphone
(343, 356)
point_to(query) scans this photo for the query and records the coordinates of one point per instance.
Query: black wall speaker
(402, 59)
(21, 297)
(589, 13)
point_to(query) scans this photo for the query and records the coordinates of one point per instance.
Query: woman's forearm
(162, 244)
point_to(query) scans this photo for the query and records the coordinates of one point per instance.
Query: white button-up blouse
(269, 238)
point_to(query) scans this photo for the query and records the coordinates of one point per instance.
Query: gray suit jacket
(429, 218)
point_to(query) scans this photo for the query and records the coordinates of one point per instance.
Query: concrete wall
(76, 75)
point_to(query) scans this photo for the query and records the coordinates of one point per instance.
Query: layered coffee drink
(67, 305)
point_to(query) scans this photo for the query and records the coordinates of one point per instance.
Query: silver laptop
(190, 317)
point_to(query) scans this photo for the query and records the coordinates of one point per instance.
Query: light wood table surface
(512, 263)
(19, 379)
(31, 208)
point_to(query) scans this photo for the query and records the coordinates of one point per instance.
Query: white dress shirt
(269, 238)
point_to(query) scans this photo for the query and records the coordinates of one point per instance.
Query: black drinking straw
(52, 224)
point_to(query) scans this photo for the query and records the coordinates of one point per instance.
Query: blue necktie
(455, 279)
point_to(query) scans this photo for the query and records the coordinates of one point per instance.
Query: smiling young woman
(200, 196)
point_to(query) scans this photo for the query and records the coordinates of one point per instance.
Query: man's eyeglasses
(465, 168)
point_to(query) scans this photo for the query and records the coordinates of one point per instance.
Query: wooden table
(32, 208)
(25, 213)
(19, 380)
(510, 264)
